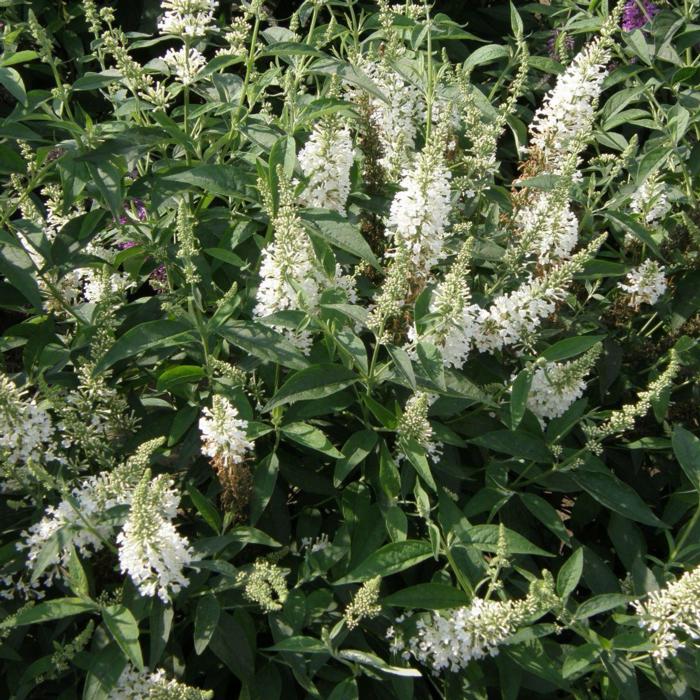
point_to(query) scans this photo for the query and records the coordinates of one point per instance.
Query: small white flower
(151, 550)
(420, 211)
(326, 160)
(671, 616)
(650, 201)
(142, 685)
(556, 385)
(223, 432)
(645, 284)
(189, 18)
(567, 113)
(185, 64)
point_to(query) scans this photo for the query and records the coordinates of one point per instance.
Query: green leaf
(546, 514)
(12, 81)
(339, 232)
(175, 378)
(123, 627)
(600, 604)
(390, 559)
(427, 596)
(403, 364)
(633, 227)
(224, 180)
(264, 480)
(262, 342)
(20, 272)
(205, 508)
(315, 382)
(366, 659)
(416, 456)
(251, 535)
(623, 675)
(570, 574)
(570, 347)
(354, 451)
(580, 659)
(485, 54)
(345, 690)
(206, 619)
(159, 627)
(301, 645)
(485, 538)
(389, 476)
(145, 336)
(230, 643)
(615, 495)
(55, 609)
(518, 397)
(516, 443)
(310, 437)
(431, 362)
(686, 447)
(96, 81)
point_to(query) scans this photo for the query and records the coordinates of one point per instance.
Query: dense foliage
(352, 353)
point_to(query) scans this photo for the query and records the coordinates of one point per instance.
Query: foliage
(349, 354)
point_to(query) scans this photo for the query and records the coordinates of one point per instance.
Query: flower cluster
(365, 604)
(185, 63)
(645, 284)
(649, 201)
(420, 211)
(452, 326)
(565, 119)
(395, 118)
(150, 549)
(291, 278)
(80, 521)
(636, 13)
(326, 160)
(414, 425)
(449, 641)
(265, 584)
(186, 18)
(223, 432)
(145, 685)
(671, 615)
(556, 385)
(27, 434)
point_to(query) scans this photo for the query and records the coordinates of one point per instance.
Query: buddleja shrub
(349, 355)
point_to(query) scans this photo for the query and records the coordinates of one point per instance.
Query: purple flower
(137, 206)
(126, 244)
(556, 47)
(637, 13)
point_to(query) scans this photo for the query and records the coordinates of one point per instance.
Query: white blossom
(151, 551)
(671, 616)
(550, 227)
(556, 385)
(449, 640)
(223, 432)
(645, 283)
(453, 326)
(419, 213)
(326, 160)
(27, 433)
(185, 63)
(650, 201)
(147, 685)
(396, 119)
(189, 18)
(291, 278)
(566, 117)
